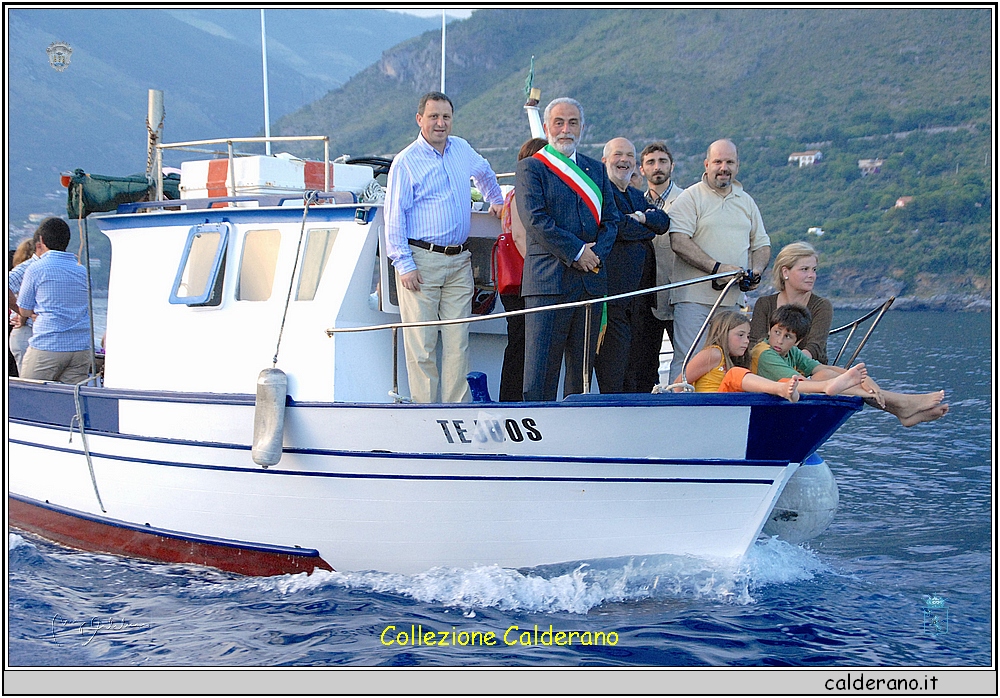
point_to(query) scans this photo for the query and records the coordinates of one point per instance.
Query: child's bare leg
(914, 409)
(845, 381)
(808, 386)
(787, 389)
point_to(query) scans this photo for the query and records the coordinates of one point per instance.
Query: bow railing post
(586, 349)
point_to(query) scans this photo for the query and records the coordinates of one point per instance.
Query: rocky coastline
(945, 302)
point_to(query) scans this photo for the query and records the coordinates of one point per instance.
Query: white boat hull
(403, 488)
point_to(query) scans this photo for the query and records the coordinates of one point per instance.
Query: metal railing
(853, 326)
(232, 154)
(682, 383)
(587, 303)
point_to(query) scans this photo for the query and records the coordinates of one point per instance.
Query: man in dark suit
(626, 265)
(567, 205)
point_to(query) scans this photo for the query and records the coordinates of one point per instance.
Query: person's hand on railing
(720, 284)
(749, 280)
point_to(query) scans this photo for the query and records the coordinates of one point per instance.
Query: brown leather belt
(444, 249)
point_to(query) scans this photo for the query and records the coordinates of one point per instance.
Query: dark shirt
(632, 244)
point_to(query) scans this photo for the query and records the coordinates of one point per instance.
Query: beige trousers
(61, 366)
(446, 293)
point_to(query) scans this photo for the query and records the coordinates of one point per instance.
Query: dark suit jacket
(558, 224)
(625, 263)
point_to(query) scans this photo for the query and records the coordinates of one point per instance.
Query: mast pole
(267, 116)
(154, 128)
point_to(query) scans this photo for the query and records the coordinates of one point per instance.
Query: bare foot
(928, 415)
(906, 406)
(846, 380)
(791, 389)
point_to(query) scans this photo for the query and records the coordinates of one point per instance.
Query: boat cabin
(206, 291)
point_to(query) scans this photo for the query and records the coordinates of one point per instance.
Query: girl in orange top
(713, 370)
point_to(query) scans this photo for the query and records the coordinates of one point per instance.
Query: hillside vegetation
(912, 87)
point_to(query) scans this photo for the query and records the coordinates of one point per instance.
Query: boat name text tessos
(490, 428)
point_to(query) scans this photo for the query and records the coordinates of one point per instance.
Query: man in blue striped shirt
(428, 213)
(54, 292)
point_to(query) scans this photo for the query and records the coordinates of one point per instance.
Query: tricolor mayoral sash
(575, 178)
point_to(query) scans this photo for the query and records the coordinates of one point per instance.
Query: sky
(431, 11)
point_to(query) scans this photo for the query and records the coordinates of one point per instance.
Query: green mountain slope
(848, 81)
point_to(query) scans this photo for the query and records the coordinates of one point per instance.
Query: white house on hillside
(805, 158)
(870, 166)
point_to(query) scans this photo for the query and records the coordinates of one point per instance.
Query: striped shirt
(428, 196)
(55, 287)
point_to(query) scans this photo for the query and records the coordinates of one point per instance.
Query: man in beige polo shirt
(715, 226)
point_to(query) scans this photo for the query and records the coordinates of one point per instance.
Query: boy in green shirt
(779, 358)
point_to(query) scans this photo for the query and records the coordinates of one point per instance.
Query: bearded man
(715, 227)
(566, 203)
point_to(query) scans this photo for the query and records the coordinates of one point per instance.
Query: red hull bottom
(86, 532)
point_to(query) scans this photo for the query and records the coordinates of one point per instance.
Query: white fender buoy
(807, 505)
(269, 416)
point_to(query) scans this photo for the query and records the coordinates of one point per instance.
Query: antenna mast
(267, 116)
(442, 52)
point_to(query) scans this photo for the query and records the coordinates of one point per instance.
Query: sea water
(901, 578)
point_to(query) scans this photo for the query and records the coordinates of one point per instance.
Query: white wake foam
(15, 541)
(575, 588)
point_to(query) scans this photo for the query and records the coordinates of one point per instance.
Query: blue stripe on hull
(617, 400)
(483, 478)
(53, 403)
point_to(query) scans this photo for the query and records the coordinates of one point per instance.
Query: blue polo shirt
(55, 287)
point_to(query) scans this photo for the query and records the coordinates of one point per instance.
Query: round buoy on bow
(807, 505)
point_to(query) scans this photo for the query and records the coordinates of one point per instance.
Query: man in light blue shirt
(54, 292)
(428, 211)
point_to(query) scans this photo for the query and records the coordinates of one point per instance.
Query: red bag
(507, 266)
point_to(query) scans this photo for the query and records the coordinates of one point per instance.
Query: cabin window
(319, 244)
(260, 257)
(202, 268)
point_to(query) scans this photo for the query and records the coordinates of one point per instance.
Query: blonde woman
(19, 328)
(794, 275)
